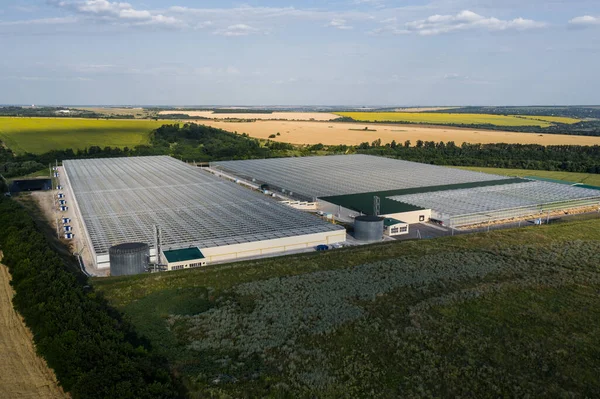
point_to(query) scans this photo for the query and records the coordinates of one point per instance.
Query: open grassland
(459, 119)
(23, 374)
(300, 116)
(585, 178)
(39, 135)
(334, 133)
(512, 313)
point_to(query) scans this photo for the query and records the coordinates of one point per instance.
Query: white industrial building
(122, 200)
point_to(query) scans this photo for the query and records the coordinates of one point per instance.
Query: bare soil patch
(23, 374)
(332, 133)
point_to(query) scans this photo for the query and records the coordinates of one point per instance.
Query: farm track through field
(23, 374)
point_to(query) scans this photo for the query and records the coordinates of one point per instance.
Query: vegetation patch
(443, 119)
(509, 313)
(94, 352)
(39, 135)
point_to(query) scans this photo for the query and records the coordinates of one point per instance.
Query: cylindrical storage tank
(128, 259)
(368, 228)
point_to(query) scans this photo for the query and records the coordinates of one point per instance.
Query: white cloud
(117, 12)
(338, 24)
(464, 20)
(237, 30)
(586, 20)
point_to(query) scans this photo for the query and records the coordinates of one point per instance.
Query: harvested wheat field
(354, 133)
(23, 374)
(291, 116)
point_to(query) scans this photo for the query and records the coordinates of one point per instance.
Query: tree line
(568, 158)
(94, 352)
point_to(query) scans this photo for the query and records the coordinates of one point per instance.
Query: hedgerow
(93, 351)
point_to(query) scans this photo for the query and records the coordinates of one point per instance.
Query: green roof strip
(570, 183)
(547, 179)
(183, 255)
(586, 186)
(387, 222)
(363, 202)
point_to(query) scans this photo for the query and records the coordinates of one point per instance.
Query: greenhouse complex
(123, 200)
(353, 185)
(139, 214)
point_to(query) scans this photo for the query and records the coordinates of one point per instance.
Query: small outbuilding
(186, 258)
(395, 227)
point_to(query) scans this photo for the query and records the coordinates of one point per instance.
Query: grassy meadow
(591, 179)
(462, 119)
(39, 135)
(511, 313)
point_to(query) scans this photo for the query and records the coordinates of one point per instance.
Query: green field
(39, 135)
(512, 313)
(553, 119)
(591, 179)
(459, 119)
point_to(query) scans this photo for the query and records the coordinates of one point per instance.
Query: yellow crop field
(334, 133)
(553, 119)
(39, 135)
(445, 118)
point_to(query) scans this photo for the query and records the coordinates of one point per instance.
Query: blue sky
(343, 52)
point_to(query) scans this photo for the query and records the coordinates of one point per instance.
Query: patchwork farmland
(334, 133)
(458, 119)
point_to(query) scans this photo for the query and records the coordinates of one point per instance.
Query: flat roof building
(120, 200)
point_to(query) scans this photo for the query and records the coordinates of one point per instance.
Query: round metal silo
(128, 259)
(368, 228)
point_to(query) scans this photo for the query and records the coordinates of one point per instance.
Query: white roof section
(496, 198)
(120, 200)
(347, 174)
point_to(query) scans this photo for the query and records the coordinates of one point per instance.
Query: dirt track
(23, 374)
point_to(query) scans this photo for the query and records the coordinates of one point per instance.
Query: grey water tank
(368, 228)
(129, 259)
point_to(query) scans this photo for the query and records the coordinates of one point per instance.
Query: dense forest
(568, 158)
(94, 352)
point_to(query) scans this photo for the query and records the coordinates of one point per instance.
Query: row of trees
(569, 158)
(93, 351)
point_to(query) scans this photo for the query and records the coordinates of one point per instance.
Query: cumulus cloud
(117, 12)
(584, 21)
(464, 20)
